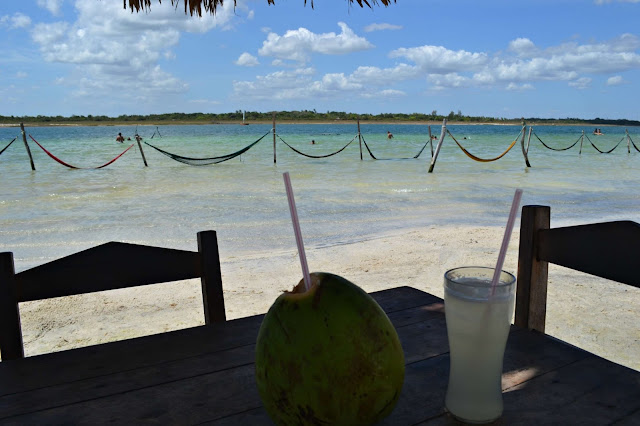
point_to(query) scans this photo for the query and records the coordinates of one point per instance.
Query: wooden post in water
(360, 139)
(435, 156)
(524, 152)
(274, 138)
(26, 145)
(431, 141)
(581, 139)
(628, 141)
(141, 151)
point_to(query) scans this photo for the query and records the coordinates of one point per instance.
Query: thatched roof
(195, 7)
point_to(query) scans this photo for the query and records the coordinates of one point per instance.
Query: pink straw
(297, 231)
(505, 240)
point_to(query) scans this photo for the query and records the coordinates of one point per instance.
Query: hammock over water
(74, 167)
(208, 160)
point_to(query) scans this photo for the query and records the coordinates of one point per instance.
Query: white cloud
(297, 45)
(440, 60)
(384, 94)
(247, 60)
(294, 84)
(204, 102)
(570, 62)
(21, 74)
(375, 76)
(380, 27)
(616, 80)
(441, 81)
(581, 83)
(52, 6)
(516, 68)
(18, 20)
(522, 47)
(519, 87)
(117, 51)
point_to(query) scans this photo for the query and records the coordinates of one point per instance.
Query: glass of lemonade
(478, 321)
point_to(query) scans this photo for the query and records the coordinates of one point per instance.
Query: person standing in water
(389, 135)
(120, 138)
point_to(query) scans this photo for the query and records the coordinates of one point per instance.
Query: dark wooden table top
(206, 375)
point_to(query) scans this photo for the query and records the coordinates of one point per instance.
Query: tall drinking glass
(478, 321)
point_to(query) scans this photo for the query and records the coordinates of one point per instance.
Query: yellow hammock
(482, 160)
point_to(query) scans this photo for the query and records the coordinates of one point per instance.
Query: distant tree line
(304, 115)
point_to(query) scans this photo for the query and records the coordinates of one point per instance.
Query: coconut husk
(196, 7)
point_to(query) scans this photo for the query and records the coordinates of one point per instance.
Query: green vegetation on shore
(296, 116)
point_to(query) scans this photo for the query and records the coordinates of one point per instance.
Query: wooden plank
(531, 291)
(210, 377)
(401, 298)
(590, 391)
(10, 330)
(254, 417)
(423, 392)
(531, 354)
(425, 312)
(105, 267)
(420, 340)
(608, 250)
(125, 355)
(187, 401)
(73, 393)
(109, 358)
(212, 293)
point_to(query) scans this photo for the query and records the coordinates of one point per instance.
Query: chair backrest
(608, 250)
(106, 267)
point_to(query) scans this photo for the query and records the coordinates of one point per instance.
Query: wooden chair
(608, 250)
(106, 267)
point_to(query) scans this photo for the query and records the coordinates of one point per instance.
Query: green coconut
(329, 355)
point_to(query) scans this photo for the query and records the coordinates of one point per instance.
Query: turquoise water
(56, 211)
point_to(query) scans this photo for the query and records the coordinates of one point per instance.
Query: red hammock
(74, 167)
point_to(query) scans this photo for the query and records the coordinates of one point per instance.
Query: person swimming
(120, 138)
(389, 135)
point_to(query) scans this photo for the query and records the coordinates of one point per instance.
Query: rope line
(634, 145)
(154, 132)
(367, 146)
(604, 152)
(74, 167)
(317, 156)
(12, 141)
(483, 160)
(557, 149)
(398, 158)
(209, 160)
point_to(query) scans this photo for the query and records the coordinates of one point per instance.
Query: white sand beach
(589, 312)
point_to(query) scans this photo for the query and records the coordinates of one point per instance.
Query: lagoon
(54, 211)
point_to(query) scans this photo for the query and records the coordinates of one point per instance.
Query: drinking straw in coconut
(505, 240)
(297, 231)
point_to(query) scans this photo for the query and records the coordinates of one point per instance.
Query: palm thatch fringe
(197, 6)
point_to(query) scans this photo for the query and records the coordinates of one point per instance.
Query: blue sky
(506, 58)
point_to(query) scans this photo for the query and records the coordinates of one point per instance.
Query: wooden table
(206, 375)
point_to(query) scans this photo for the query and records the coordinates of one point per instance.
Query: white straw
(297, 231)
(505, 240)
